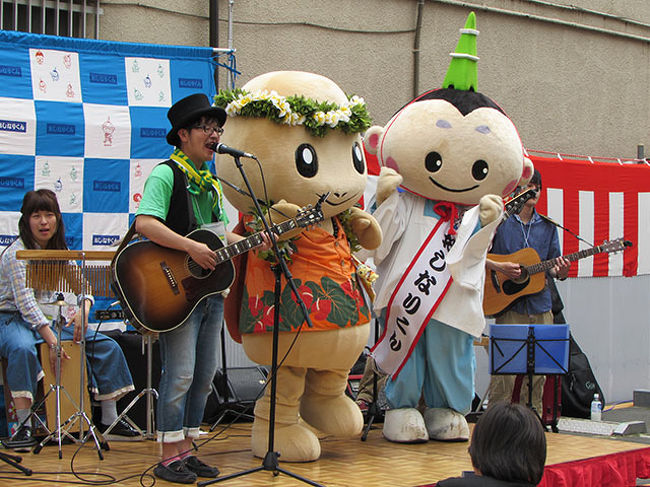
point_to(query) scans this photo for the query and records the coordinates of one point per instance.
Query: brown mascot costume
(305, 132)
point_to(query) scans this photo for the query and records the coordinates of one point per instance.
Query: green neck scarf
(199, 181)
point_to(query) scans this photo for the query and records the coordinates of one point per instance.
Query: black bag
(579, 385)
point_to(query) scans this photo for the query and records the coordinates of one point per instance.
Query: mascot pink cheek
(510, 188)
(390, 162)
(527, 173)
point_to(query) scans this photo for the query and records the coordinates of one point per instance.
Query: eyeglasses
(207, 130)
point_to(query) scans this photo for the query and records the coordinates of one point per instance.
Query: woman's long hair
(41, 200)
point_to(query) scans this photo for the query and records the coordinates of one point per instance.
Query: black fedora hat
(189, 109)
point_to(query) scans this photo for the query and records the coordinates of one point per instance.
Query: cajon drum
(70, 380)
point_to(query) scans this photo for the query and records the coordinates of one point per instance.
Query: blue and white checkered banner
(87, 119)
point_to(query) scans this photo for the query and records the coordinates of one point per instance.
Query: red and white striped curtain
(599, 201)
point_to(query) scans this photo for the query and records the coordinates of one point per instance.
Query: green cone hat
(462, 72)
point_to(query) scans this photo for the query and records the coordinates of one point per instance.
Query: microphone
(224, 149)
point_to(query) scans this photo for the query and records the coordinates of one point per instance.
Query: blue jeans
(108, 371)
(188, 355)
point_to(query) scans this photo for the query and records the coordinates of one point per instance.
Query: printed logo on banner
(140, 170)
(16, 178)
(59, 129)
(6, 70)
(55, 75)
(17, 126)
(64, 176)
(103, 230)
(108, 131)
(149, 127)
(193, 83)
(106, 185)
(148, 82)
(8, 227)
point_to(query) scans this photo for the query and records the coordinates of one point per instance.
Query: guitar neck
(249, 243)
(549, 264)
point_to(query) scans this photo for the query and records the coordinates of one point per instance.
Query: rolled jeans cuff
(194, 432)
(170, 436)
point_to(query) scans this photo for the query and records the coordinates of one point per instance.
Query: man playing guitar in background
(527, 229)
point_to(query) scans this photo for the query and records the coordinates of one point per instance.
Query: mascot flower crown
(316, 116)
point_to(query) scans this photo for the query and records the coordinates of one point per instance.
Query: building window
(70, 18)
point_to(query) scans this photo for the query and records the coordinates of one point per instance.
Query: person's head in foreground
(508, 443)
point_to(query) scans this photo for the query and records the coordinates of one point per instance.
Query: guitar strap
(127, 238)
(191, 217)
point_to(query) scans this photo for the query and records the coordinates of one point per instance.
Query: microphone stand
(270, 462)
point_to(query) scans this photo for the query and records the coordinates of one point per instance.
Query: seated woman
(508, 449)
(26, 320)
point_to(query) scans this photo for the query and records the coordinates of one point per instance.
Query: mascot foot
(446, 425)
(294, 442)
(405, 425)
(338, 416)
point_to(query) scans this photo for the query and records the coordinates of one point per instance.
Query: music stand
(530, 350)
(148, 391)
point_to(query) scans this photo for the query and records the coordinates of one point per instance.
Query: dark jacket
(472, 480)
(180, 217)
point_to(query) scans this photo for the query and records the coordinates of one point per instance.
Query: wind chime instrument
(56, 270)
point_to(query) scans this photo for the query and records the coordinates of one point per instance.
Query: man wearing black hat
(179, 196)
(527, 229)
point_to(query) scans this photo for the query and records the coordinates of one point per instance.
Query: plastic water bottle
(596, 408)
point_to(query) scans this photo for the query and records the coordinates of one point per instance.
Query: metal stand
(270, 462)
(149, 392)
(226, 387)
(80, 415)
(373, 408)
(56, 388)
(531, 343)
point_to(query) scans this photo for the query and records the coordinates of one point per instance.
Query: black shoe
(175, 472)
(22, 440)
(199, 468)
(122, 431)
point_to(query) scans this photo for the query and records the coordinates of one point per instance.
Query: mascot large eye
(306, 160)
(357, 158)
(433, 162)
(480, 170)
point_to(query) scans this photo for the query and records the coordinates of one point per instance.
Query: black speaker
(235, 389)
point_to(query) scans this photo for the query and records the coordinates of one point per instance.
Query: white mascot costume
(448, 157)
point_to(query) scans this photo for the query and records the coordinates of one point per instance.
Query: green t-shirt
(157, 194)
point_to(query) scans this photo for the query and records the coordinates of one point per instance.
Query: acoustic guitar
(159, 287)
(500, 291)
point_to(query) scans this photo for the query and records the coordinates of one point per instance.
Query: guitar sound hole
(196, 270)
(523, 277)
(512, 286)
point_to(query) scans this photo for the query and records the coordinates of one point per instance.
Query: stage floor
(344, 463)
